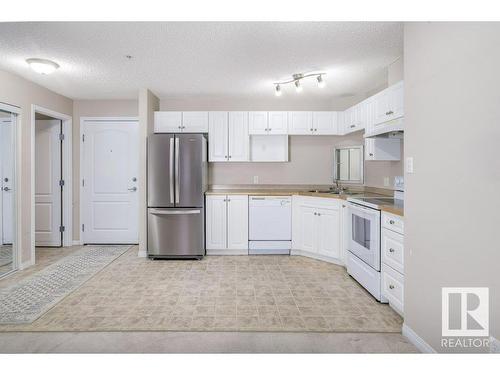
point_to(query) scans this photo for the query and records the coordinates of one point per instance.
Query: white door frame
(67, 171)
(17, 235)
(83, 198)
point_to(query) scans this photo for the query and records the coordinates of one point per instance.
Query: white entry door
(7, 183)
(110, 163)
(47, 188)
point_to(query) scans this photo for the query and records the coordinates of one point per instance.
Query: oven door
(364, 234)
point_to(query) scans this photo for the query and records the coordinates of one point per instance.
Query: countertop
(393, 209)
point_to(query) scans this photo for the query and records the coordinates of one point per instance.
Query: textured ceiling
(177, 59)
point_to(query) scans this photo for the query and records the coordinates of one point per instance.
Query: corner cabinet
(226, 224)
(228, 136)
(316, 228)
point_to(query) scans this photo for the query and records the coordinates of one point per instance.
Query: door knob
(6, 189)
(134, 179)
(132, 189)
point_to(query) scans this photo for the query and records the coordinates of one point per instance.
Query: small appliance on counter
(177, 181)
(363, 257)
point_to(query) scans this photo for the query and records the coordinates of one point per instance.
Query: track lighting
(277, 91)
(298, 87)
(296, 78)
(321, 82)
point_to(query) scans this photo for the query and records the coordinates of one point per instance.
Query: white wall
(22, 93)
(452, 205)
(92, 108)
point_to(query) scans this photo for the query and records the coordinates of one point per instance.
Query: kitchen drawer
(393, 287)
(393, 222)
(393, 249)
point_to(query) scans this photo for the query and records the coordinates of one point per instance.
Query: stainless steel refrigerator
(177, 181)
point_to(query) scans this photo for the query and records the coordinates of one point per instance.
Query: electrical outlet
(409, 164)
(255, 179)
(494, 345)
(386, 181)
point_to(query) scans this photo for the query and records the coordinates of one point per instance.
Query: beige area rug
(218, 293)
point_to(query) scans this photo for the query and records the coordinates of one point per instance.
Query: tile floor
(241, 293)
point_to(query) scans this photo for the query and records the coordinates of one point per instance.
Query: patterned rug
(5, 255)
(27, 300)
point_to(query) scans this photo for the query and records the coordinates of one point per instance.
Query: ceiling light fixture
(277, 91)
(42, 66)
(296, 78)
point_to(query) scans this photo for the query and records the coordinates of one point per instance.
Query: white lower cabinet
(226, 224)
(316, 228)
(392, 249)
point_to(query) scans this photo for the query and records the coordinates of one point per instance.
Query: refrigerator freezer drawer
(176, 233)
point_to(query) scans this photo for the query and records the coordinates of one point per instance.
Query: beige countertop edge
(387, 208)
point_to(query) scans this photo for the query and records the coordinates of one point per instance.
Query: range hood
(396, 125)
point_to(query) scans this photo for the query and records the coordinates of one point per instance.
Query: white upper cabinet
(228, 136)
(354, 118)
(260, 123)
(278, 123)
(257, 122)
(389, 104)
(325, 123)
(167, 122)
(180, 122)
(218, 149)
(195, 122)
(300, 123)
(238, 149)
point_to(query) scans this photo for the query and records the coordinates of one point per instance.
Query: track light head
(277, 90)
(321, 81)
(298, 87)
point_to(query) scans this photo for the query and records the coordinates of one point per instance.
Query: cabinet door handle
(319, 214)
(391, 286)
(391, 250)
(353, 126)
(229, 156)
(371, 154)
(391, 221)
(389, 113)
(311, 129)
(315, 130)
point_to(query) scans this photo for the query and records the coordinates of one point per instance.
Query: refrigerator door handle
(171, 170)
(170, 212)
(177, 192)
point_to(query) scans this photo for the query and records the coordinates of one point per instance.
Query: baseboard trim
(416, 340)
(77, 243)
(142, 254)
(317, 256)
(227, 252)
(26, 264)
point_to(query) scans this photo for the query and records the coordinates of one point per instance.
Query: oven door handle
(357, 207)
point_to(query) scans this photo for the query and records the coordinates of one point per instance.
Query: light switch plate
(386, 181)
(409, 164)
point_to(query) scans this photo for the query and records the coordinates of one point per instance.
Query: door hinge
(83, 183)
(83, 137)
(61, 183)
(62, 228)
(83, 227)
(61, 137)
